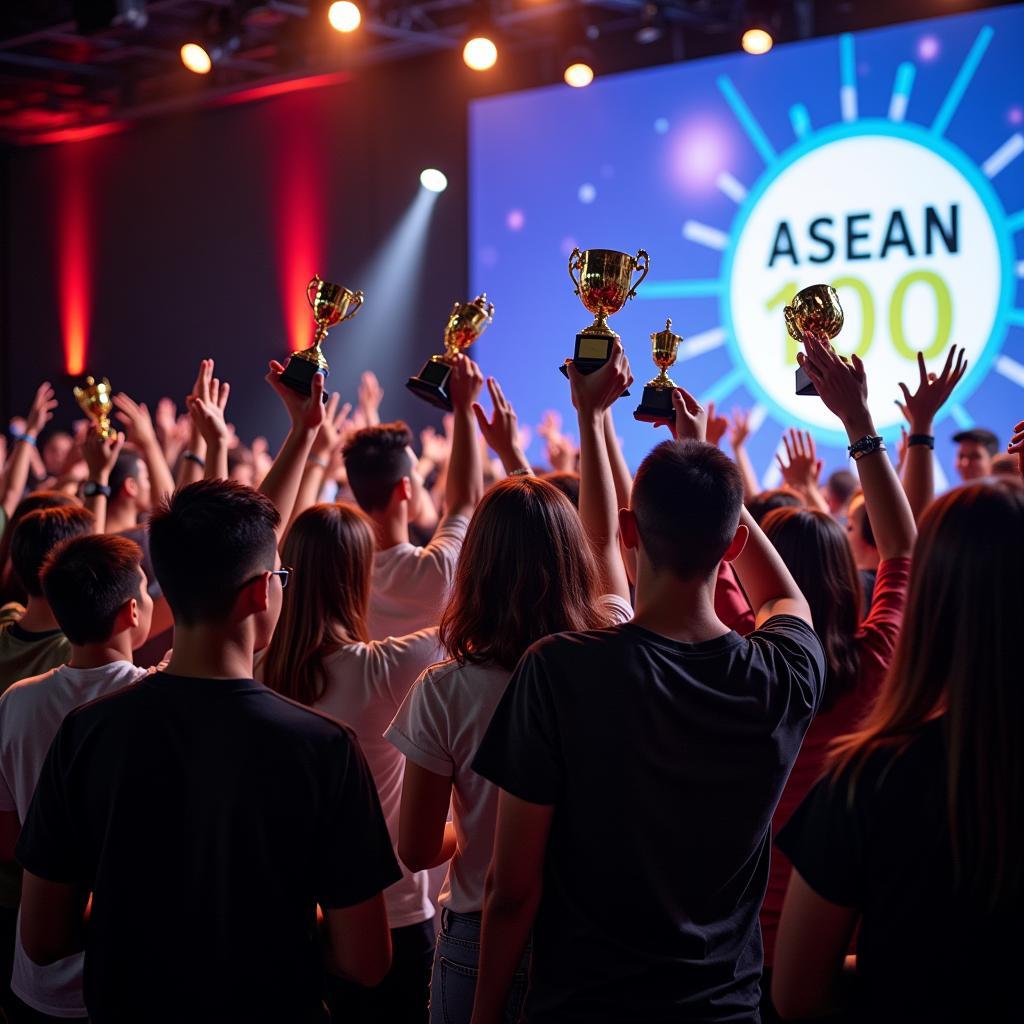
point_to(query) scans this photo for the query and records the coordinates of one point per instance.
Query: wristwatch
(91, 489)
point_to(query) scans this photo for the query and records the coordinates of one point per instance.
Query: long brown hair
(958, 657)
(817, 553)
(526, 571)
(330, 550)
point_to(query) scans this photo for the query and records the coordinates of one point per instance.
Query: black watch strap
(922, 439)
(92, 488)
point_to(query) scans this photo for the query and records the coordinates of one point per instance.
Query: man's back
(208, 817)
(664, 762)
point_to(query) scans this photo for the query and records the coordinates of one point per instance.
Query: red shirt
(876, 640)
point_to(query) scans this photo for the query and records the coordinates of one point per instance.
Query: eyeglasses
(284, 573)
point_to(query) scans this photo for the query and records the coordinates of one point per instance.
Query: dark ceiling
(71, 64)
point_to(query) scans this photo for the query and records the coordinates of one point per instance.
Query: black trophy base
(804, 384)
(299, 374)
(431, 384)
(592, 352)
(656, 406)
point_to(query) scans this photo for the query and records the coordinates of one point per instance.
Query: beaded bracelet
(867, 445)
(521, 471)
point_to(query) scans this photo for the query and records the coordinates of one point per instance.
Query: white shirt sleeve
(420, 729)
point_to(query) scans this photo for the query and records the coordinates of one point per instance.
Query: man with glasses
(208, 817)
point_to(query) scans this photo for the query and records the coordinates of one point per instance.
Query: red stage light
(74, 271)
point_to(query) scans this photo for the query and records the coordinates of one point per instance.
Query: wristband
(27, 438)
(92, 489)
(923, 439)
(521, 471)
(197, 459)
(317, 461)
(867, 445)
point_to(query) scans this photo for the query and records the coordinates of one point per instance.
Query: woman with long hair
(858, 647)
(916, 834)
(321, 656)
(530, 566)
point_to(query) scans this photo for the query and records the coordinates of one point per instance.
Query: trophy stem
(600, 328)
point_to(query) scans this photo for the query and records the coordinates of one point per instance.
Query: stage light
(196, 58)
(433, 180)
(480, 53)
(344, 16)
(579, 75)
(757, 41)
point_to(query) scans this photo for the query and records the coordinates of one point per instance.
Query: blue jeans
(456, 968)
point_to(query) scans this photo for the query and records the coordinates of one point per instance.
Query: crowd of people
(356, 733)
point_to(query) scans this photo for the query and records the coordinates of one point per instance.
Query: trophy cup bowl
(466, 322)
(605, 284)
(94, 400)
(814, 310)
(331, 304)
(656, 404)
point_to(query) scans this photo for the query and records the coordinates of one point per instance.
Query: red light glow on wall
(74, 270)
(300, 211)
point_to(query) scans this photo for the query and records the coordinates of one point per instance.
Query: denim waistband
(461, 926)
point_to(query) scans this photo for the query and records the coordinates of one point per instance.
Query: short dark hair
(687, 497)
(38, 533)
(87, 581)
(375, 460)
(768, 501)
(206, 541)
(125, 468)
(567, 483)
(843, 485)
(979, 435)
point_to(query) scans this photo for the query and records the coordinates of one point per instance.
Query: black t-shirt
(208, 817)
(664, 762)
(924, 953)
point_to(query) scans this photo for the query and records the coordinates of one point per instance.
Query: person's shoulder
(579, 643)
(303, 720)
(451, 677)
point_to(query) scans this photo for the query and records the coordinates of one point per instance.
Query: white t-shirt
(439, 727)
(31, 712)
(410, 585)
(366, 684)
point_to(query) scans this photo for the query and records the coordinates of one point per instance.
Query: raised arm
(920, 408)
(371, 394)
(193, 458)
(139, 431)
(801, 470)
(592, 395)
(464, 486)
(206, 410)
(15, 475)
(768, 583)
(739, 431)
(843, 388)
(621, 475)
(281, 484)
(100, 456)
(1016, 446)
(501, 432)
(321, 456)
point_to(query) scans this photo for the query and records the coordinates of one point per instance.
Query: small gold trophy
(331, 304)
(94, 399)
(466, 322)
(814, 310)
(604, 286)
(656, 405)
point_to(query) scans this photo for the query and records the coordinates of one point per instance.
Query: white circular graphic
(905, 239)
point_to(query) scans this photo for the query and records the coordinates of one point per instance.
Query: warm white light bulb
(433, 180)
(196, 59)
(344, 16)
(579, 75)
(757, 41)
(480, 53)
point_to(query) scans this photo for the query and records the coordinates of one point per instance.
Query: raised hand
(101, 453)
(206, 407)
(739, 428)
(691, 420)
(41, 412)
(305, 412)
(932, 391)
(550, 424)
(841, 384)
(138, 424)
(717, 425)
(501, 431)
(802, 468)
(371, 394)
(434, 447)
(166, 420)
(465, 383)
(1016, 445)
(332, 430)
(594, 392)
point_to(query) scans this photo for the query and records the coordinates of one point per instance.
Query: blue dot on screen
(661, 125)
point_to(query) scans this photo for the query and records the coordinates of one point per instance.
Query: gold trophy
(466, 322)
(331, 304)
(656, 405)
(94, 399)
(814, 310)
(604, 286)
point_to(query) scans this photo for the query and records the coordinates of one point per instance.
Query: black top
(924, 953)
(664, 761)
(208, 817)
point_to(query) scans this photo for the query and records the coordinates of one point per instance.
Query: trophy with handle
(656, 404)
(332, 304)
(814, 310)
(95, 401)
